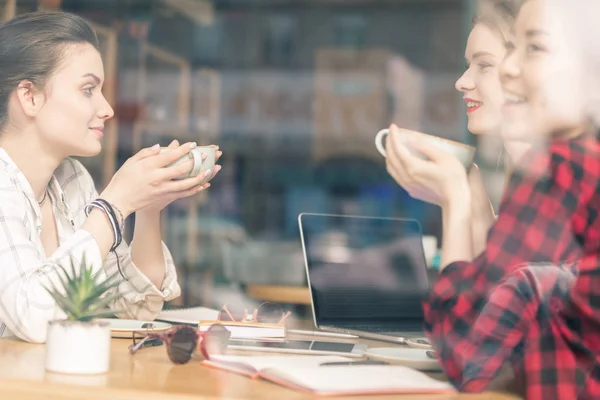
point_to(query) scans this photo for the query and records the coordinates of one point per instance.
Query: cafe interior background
(293, 92)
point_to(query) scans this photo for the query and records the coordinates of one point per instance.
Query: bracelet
(115, 223)
(112, 222)
(112, 207)
(108, 207)
(88, 209)
(112, 218)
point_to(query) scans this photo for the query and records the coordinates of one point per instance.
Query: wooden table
(148, 375)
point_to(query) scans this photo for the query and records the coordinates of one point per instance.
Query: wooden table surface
(148, 375)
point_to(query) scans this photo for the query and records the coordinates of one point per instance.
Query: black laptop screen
(365, 271)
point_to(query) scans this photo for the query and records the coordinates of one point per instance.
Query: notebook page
(358, 379)
(188, 315)
(279, 362)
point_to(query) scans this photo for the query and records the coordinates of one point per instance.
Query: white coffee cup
(463, 152)
(199, 165)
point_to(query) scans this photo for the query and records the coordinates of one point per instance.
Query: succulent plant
(83, 295)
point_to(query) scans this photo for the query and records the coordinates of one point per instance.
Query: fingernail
(156, 146)
(208, 172)
(192, 145)
(218, 167)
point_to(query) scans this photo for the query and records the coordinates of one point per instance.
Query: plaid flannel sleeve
(534, 225)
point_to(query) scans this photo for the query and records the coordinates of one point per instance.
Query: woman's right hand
(145, 179)
(440, 179)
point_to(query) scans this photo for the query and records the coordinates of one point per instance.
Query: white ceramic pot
(78, 347)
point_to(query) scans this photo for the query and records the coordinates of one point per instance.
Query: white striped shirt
(25, 271)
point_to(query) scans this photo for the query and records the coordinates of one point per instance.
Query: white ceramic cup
(199, 165)
(463, 152)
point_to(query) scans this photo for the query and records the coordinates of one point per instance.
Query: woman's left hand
(158, 206)
(441, 179)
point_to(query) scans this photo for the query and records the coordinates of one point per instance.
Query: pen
(324, 334)
(351, 363)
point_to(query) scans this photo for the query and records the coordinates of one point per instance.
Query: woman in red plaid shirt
(529, 305)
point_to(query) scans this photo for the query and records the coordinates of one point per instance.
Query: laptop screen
(364, 271)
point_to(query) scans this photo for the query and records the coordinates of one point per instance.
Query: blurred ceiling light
(200, 11)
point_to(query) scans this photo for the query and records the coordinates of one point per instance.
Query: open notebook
(306, 373)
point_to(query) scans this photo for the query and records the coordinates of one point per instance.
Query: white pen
(321, 333)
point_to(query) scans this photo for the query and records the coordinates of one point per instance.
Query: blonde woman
(466, 208)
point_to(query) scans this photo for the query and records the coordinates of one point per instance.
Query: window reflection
(293, 93)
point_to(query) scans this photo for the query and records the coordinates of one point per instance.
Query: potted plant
(79, 344)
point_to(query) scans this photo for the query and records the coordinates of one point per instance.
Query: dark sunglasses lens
(269, 313)
(183, 345)
(216, 340)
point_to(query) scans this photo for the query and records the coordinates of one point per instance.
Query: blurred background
(293, 92)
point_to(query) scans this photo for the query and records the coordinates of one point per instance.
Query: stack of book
(205, 317)
(248, 330)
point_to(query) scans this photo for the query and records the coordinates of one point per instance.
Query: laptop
(367, 276)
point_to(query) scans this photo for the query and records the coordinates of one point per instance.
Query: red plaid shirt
(532, 298)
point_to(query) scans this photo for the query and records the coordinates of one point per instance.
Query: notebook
(306, 373)
(190, 315)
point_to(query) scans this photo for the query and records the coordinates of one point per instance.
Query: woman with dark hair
(52, 108)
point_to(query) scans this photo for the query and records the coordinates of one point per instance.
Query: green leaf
(68, 307)
(105, 302)
(83, 294)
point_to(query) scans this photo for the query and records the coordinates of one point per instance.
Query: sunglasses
(270, 313)
(183, 340)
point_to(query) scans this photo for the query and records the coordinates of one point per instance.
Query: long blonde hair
(498, 15)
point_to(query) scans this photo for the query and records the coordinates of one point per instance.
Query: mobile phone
(301, 347)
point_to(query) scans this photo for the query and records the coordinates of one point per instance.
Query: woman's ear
(29, 98)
